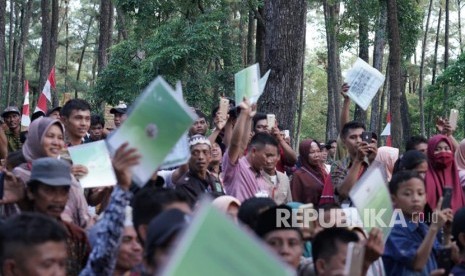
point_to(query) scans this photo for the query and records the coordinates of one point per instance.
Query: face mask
(443, 160)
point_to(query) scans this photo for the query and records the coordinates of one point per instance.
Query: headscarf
(32, 148)
(460, 156)
(436, 177)
(304, 149)
(223, 202)
(388, 156)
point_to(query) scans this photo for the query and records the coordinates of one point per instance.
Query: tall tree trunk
(83, 51)
(460, 25)
(446, 55)
(435, 58)
(394, 74)
(285, 21)
(2, 43)
(404, 110)
(331, 12)
(121, 21)
(378, 56)
(260, 38)
(363, 45)
(46, 42)
(250, 39)
(422, 66)
(10, 52)
(26, 13)
(384, 96)
(104, 30)
(243, 15)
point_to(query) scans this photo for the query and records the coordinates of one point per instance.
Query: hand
(438, 272)
(362, 151)
(219, 121)
(79, 171)
(372, 150)
(374, 246)
(13, 189)
(247, 108)
(277, 134)
(443, 126)
(344, 89)
(125, 158)
(440, 217)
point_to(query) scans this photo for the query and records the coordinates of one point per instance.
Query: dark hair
(36, 115)
(74, 104)
(351, 125)
(262, 139)
(329, 143)
(409, 161)
(200, 114)
(258, 117)
(97, 119)
(20, 233)
(15, 159)
(34, 185)
(415, 141)
(324, 244)
(251, 208)
(151, 201)
(401, 177)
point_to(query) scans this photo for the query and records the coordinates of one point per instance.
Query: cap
(37, 115)
(268, 220)
(11, 109)
(458, 225)
(51, 171)
(164, 226)
(198, 139)
(121, 108)
(57, 108)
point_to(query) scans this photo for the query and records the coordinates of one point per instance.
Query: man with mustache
(48, 189)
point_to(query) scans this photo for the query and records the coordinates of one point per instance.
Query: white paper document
(364, 82)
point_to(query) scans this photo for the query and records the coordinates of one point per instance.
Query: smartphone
(286, 133)
(2, 182)
(271, 120)
(223, 108)
(444, 259)
(446, 197)
(354, 259)
(454, 114)
(366, 136)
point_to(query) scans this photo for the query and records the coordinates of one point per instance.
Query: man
(119, 113)
(48, 189)
(198, 180)
(12, 118)
(331, 146)
(200, 126)
(75, 116)
(97, 126)
(243, 177)
(32, 244)
(287, 156)
(278, 182)
(418, 142)
(54, 113)
(346, 172)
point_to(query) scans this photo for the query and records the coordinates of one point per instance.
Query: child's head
(413, 160)
(407, 190)
(97, 124)
(458, 228)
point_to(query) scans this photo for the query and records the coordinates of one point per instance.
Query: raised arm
(239, 136)
(345, 112)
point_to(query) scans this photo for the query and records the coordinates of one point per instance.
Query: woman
(460, 161)
(442, 172)
(307, 182)
(228, 205)
(388, 157)
(46, 139)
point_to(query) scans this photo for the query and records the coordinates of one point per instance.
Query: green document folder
(155, 123)
(214, 245)
(247, 83)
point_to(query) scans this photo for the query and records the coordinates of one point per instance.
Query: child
(458, 231)
(97, 126)
(411, 250)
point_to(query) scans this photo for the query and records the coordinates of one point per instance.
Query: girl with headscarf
(387, 156)
(460, 162)
(46, 139)
(228, 205)
(308, 180)
(442, 172)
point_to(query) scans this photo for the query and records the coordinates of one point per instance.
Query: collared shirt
(193, 187)
(14, 142)
(77, 246)
(279, 190)
(339, 171)
(102, 260)
(241, 180)
(402, 246)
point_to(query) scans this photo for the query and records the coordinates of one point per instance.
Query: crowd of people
(50, 225)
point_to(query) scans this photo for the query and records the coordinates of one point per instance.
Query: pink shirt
(241, 180)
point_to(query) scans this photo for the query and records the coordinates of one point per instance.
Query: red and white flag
(25, 119)
(46, 94)
(387, 131)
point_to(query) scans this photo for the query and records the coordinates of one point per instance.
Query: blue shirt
(401, 248)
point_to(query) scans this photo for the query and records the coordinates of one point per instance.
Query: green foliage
(410, 18)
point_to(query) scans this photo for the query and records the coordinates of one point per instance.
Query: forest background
(107, 51)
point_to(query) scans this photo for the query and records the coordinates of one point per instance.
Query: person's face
(261, 126)
(200, 158)
(96, 132)
(46, 259)
(119, 118)
(199, 127)
(217, 155)
(232, 211)
(442, 147)
(422, 147)
(130, 250)
(353, 139)
(314, 154)
(263, 156)
(287, 244)
(332, 150)
(324, 155)
(78, 123)
(50, 200)
(335, 263)
(410, 197)
(12, 120)
(422, 168)
(53, 141)
(55, 115)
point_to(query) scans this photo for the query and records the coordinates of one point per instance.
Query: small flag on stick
(46, 94)
(25, 119)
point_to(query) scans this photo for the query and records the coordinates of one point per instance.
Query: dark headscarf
(304, 149)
